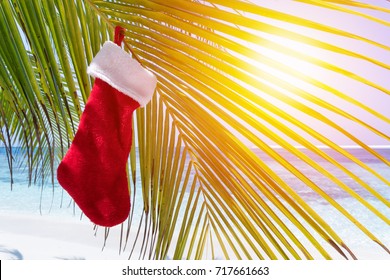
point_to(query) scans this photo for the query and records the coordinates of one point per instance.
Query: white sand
(53, 237)
(36, 237)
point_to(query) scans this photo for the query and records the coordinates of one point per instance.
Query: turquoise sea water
(344, 228)
(53, 201)
(22, 198)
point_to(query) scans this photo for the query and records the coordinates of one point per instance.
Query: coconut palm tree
(227, 155)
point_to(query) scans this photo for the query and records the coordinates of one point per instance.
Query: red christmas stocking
(93, 171)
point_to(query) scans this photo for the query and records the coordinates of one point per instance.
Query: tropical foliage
(206, 191)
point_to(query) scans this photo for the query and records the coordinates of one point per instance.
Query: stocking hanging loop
(119, 35)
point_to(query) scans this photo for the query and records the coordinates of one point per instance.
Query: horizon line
(327, 147)
(295, 146)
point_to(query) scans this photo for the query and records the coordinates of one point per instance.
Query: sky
(367, 95)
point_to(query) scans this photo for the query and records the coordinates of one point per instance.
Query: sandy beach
(35, 237)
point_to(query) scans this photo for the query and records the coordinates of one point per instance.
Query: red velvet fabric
(93, 171)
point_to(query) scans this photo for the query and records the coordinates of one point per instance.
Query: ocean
(53, 201)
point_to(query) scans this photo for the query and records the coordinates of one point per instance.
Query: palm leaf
(222, 88)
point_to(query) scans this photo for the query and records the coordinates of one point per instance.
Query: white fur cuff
(116, 67)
